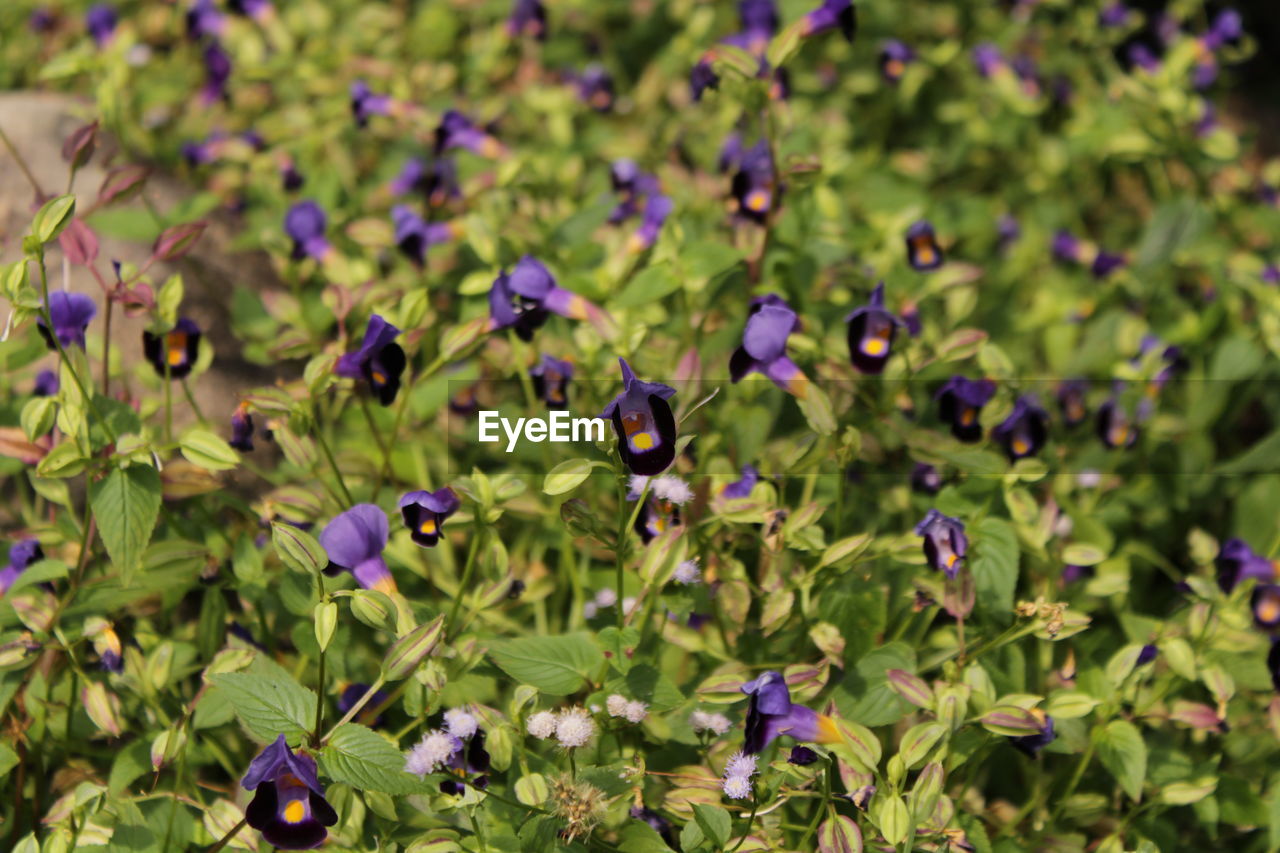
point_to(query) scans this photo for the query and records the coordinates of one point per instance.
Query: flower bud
(410, 650)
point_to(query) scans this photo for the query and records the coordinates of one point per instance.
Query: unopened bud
(410, 650)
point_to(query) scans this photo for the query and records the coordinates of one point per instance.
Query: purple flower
(894, 59)
(923, 251)
(71, 314)
(414, 235)
(42, 20)
(830, 15)
(46, 384)
(424, 513)
(1071, 574)
(770, 321)
(945, 543)
(988, 59)
(960, 400)
(1141, 56)
(730, 152)
(365, 104)
(1007, 232)
(379, 361)
(290, 178)
(367, 715)
(1024, 432)
(1273, 663)
(203, 19)
(289, 808)
(871, 332)
(741, 488)
(551, 381)
(242, 428)
(1149, 652)
(523, 299)
(925, 478)
(305, 224)
(457, 131)
(217, 72)
(354, 541)
(173, 353)
(759, 16)
(1115, 14)
(1227, 28)
(1271, 274)
(703, 77)
(644, 424)
(1032, 744)
(1115, 426)
(1066, 247)
(656, 517)
(802, 756)
(100, 21)
(771, 714)
(753, 184)
(1236, 562)
(255, 9)
(595, 88)
(437, 181)
(657, 823)
(1071, 401)
(1105, 263)
(22, 554)
(469, 766)
(528, 18)
(656, 211)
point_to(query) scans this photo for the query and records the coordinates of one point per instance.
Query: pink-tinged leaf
(1010, 720)
(1196, 715)
(839, 834)
(178, 240)
(79, 243)
(137, 300)
(78, 147)
(121, 184)
(910, 687)
(14, 444)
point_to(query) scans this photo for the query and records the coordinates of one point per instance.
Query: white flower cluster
(709, 721)
(459, 723)
(572, 728)
(687, 572)
(605, 599)
(737, 776)
(633, 711)
(432, 752)
(668, 487)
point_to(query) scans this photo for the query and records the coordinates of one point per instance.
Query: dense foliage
(933, 506)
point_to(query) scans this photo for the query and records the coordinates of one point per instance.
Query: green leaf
(53, 217)
(864, 695)
(714, 822)
(125, 505)
(270, 704)
(207, 450)
(1122, 751)
(367, 761)
(816, 406)
(995, 566)
(37, 416)
(638, 837)
(647, 286)
(45, 570)
(64, 460)
(1174, 225)
(566, 476)
(557, 665)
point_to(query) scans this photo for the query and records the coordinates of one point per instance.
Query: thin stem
(624, 542)
(168, 402)
(191, 401)
(755, 806)
(333, 464)
(1075, 780)
(226, 839)
(356, 708)
(465, 580)
(106, 349)
(315, 734)
(22, 164)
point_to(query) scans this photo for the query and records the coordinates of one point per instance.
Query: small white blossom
(1063, 526)
(617, 705)
(574, 728)
(589, 610)
(629, 604)
(671, 488)
(635, 486)
(635, 711)
(459, 723)
(709, 721)
(740, 764)
(1089, 479)
(606, 598)
(542, 724)
(432, 752)
(687, 572)
(737, 787)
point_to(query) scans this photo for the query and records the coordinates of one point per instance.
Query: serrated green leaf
(367, 761)
(207, 450)
(556, 665)
(126, 505)
(269, 705)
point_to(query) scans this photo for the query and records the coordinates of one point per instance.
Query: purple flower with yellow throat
(354, 541)
(1024, 432)
(23, 553)
(770, 321)
(656, 210)
(759, 19)
(871, 331)
(457, 131)
(101, 21)
(960, 401)
(832, 14)
(242, 428)
(414, 235)
(771, 714)
(644, 424)
(894, 59)
(524, 298)
(71, 314)
(923, 251)
(424, 513)
(1071, 401)
(174, 352)
(379, 361)
(945, 542)
(754, 186)
(305, 224)
(289, 808)
(1117, 428)
(551, 381)
(1265, 603)
(595, 87)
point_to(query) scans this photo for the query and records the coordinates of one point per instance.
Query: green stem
(22, 165)
(1075, 780)
(356, 708)
(168, 402)
(755, 806)
(226, 839)
(333, 464)
(191, 401)
(624, 541)
(465, 581)
(106, 348)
